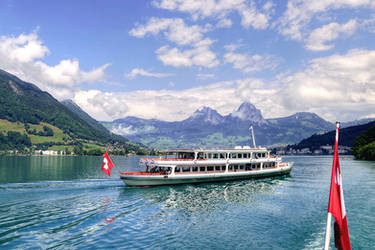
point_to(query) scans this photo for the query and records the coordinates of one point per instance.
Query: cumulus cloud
(199, 56)
(248, 63)
(141, 72)
(329, 32)
(22, 56)
(251, 16)
(175, 30)
(224, 23)
(337, 87)
(299, 14)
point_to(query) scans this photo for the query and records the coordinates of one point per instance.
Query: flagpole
(328, 231)
(329, 215)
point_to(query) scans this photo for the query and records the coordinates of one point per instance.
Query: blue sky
(166, 58)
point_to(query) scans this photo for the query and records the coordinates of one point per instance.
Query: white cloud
(320, 36)
(224, 23)
(299, 14)
(248, 63)
(338, 87)
(175, 30)
(200, 56)
(22, 56)
(250, 15)
(141, 72)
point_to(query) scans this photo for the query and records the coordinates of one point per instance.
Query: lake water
(67, 202)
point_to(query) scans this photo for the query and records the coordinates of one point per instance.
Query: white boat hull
(157, 180)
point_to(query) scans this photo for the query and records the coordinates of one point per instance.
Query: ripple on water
(277, 213)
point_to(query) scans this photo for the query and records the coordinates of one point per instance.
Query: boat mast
(252, 133)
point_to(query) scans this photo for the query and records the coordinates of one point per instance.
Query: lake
(67, 202)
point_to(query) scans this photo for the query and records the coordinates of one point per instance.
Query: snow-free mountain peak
(206, 114)
(248, 112)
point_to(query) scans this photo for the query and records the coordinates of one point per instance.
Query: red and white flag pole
(336, 205)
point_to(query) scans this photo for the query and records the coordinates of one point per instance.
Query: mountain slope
(347, 137)
(26, 103)
(207, 128)
(94, 124)
(28, 111)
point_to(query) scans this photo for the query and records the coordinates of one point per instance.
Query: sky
(164, 59)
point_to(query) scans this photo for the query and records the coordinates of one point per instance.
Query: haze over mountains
(207, 128)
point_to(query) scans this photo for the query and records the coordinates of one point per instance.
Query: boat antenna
(252, 133)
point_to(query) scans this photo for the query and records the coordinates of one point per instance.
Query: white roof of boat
(236, 149)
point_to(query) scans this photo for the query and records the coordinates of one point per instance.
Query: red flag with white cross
(107, 164)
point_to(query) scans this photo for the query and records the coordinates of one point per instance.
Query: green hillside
(29, 115)
(364, 145)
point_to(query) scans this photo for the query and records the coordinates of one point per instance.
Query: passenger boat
(205, 165)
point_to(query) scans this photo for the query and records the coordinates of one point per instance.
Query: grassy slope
(58, 135)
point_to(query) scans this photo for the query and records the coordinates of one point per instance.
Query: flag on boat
(107, 164)
(336, 205)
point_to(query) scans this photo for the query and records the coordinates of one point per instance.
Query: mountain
(206, 115)
(347, 137)
(35, 114)
(207, 128)
(248, 112)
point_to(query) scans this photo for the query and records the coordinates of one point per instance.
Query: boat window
(186, 169)
(215, 156)
(222, 168)
(210, 168)
(217, 168)
(233, 156)
(248, 167)
(230, 167)
(195, 169)
(200, 155)
(222, 156)
(202, 169)
(177, 169)
(235, 167)
(209, 156)
(239, 156)
(242, 166)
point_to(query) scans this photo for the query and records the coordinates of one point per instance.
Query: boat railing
(171, 159)
(142, 173)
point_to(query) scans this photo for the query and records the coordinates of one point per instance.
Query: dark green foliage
(95, 151)
(364, 145)
(14, 140)
(47, 131)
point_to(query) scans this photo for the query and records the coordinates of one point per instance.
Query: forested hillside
(364, 145)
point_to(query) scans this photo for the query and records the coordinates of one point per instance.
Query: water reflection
(206, 197)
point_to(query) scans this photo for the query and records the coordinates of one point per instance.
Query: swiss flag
(336, 205)
(107, 164)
